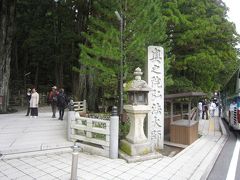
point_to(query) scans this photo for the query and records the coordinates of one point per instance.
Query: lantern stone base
(135, 149)
(137, 152)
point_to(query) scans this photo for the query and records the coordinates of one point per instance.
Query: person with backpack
(52, 99)
(61, 103)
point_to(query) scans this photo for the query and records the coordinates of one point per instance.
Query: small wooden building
(185, 130)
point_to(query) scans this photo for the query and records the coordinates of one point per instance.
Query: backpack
(61, 100)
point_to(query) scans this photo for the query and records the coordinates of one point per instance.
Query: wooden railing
(20, 100)
(194, 113)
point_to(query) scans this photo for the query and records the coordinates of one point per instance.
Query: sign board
(155, 79)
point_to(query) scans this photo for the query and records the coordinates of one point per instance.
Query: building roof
(184, 95)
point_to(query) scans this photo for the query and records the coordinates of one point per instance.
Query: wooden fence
(21, 100)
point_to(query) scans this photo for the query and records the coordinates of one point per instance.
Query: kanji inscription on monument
(155, 78)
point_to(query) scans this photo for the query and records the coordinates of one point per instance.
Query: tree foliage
(76, 45)
(203, 42)
(100, 54)
(143, 26)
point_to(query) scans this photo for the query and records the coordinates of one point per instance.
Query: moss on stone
(125, 148)
(145, 151)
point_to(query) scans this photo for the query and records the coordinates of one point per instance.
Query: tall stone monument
(155, 79)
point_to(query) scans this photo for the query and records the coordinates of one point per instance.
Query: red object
(238, 115)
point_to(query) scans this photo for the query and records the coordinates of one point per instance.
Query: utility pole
(119, 17)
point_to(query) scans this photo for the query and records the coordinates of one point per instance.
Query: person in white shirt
(34, 103)
(200, 108)
(212, 108)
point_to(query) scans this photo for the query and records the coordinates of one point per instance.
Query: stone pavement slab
(191, 163)
(19, 133)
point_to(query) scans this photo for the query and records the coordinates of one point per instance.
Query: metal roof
(184, 95)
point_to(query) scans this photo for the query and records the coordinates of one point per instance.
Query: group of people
(57, 99)
(32, 101)
(205, 108)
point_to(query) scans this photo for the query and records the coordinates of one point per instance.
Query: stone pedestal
(136, 143)
(135, 149)
(136, 115)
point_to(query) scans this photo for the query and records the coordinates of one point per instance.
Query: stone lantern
(137, 90)
(136, 142)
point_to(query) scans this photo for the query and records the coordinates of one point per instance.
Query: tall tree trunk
(92, 93)
(61, 74)
(36, 76)
(16, 59)
(56, 73)
(7, 20)
(26, 74)
(80, 82)
(58, 51)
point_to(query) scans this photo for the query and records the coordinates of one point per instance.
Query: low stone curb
(35, 153)
(214, 153)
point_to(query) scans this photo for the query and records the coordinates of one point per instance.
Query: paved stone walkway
(193, 162)
(19, 133)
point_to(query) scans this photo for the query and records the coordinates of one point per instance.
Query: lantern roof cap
(137, 84)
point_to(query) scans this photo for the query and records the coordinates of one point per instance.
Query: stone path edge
(224, 138)
(35, 153)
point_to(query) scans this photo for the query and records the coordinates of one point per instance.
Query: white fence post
(71, 117)
(84, 106)
(89, 126)
(74, 162)
(114, 128)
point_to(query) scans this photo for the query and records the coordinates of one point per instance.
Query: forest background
(75, 44)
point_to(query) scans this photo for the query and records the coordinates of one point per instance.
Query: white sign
(155, 79)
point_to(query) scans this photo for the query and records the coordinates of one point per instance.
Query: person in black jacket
(61, 103)
(28, 97)
(205, 109)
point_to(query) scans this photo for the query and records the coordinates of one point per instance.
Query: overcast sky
(234, 12)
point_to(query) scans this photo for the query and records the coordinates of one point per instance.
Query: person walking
(52, 98)
(219, 109)
(28, 98)
(205, 109)
(34, 103)
(200, 109)
(212, 108)
(61, 103)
